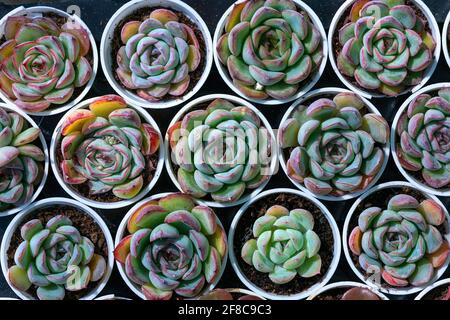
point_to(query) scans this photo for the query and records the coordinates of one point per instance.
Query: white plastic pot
(121, 232)
(348, 255)
(345, 285)
(444, 192)
(238, 102)
(326, 275)
(39, 188)
(108, 35)
(37, 12)
(56, 138)
(317, 94)
(440, 283)
(314, 77)
(445, 46)
(363, 92)
(51, 203)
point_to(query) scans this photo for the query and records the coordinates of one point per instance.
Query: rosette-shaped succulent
(402, 242)
(221, 151)
(43, 63)
(335, 146)
(284, 245)
(107, 146)
(158, 56)
(20, 160)
(386, 46)
(173, 247)
(55, 258)
(424, 134)
(269, 48)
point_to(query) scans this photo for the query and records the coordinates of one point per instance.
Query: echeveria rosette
(221, 151)
(42, 63)
(158, 56)
(335, 147)
(106, 146)
(54, 258)
(284, 245)
(173, 247)
(269, 47)
(386, 46)
(402, 242)
(424, 138)
(21, 160)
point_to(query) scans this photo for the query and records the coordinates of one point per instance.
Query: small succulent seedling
(269, 48)
(284, 245)
(43, 63)
(20, 160)
(424, 138)
(106, 147)
(54, 258)
(336, 148)
(403, 241)
(173, 247)
(158, 56)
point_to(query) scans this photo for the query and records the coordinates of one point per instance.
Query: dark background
(96, 14)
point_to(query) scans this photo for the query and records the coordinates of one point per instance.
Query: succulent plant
(284, 245)
(227, 295)
(335, 146)
(221, 151)
(269, 48)
(20, 160)
(386, 46)
(158, 55)
(402, 242)
(42, 63)
(424, 134)
(106, 147)
(54, 258)
(358, 293)
(173, 247)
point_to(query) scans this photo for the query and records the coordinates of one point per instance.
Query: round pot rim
(346, 284)
(435, 285)
(122, 229)
(111, 296)
(56, 136)
(336, 250)
(345, 234)
(444, 37)
(14, 224)
(444, 192)
(39, 189)
(87, 87)
(317, 93)
(128, 95)
(436, 32)
(303, 90)
(237, 100)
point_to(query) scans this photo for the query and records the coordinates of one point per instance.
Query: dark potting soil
(244, 232)
(151, 162)
(143, 14)
(60, 21)
(439, 293)
(380, 199)
(85, 225)
(337, 47)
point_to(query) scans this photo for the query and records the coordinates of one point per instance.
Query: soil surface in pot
(143, 14)
(244, 232)
(60, 21)
(85, 224)
(337, 47)
(439, 293)
(381, 199)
